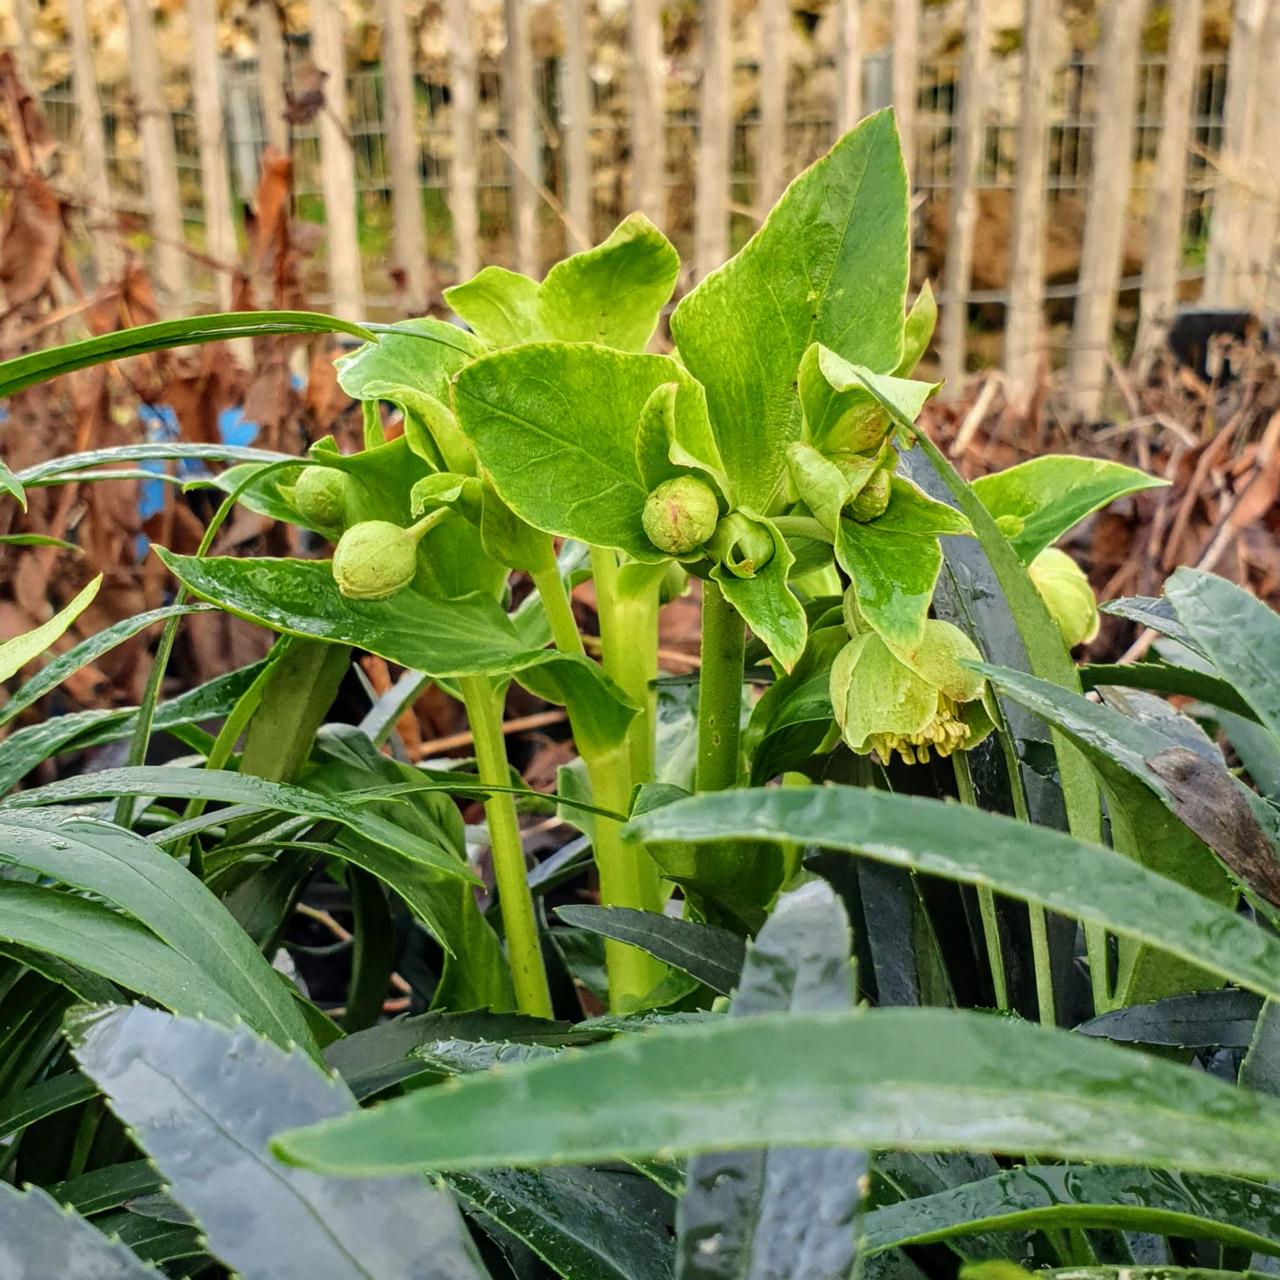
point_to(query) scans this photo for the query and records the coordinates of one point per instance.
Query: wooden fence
(1076, 172)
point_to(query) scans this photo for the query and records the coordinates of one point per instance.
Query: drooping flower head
(913, 702)
(1066, 591)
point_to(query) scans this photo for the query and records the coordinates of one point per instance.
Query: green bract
(375, 560)
(744, 546)
(912, 702)
(1065, 589)
(680, 515)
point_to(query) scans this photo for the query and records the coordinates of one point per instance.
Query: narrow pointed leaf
(205, 1101)
(16, 653)
(1088, 882)
(918, 1079)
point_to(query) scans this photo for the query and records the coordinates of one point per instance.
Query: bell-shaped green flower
(680, 515)
(320, 495)
(1066, 591)
(742, 545)
(376, 559)
(872, 500)
(914, 703)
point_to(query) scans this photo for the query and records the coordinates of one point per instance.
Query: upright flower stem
(555, 601)
(482, 698)
(719, 690)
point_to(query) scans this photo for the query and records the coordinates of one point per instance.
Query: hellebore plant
(879, 640)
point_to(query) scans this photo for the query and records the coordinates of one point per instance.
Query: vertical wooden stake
(518, 106)
(409, 249)
(970, 130)
(464, 135)
(1225, 270)
(92, 149)
(711, 198)
(337, 161)
(576, 123)
(906, 72)
(1168, 191)
(648, 110)
(215, 182)
(1109, 186)
(1024, 321)
(771, 156)
(159, 160)
(271, 74)
(1262, 236)
(849, 65)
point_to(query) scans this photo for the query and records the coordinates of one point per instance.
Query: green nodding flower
(375, 559)
(1067, 594)
(320, 495)
(680, 515)
(915, 702)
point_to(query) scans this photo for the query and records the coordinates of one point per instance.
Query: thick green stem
(482, 698)
(719, 691)
(555, 602)
(628, 878)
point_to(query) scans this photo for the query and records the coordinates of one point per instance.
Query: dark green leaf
(108, 1187)
(1232, 1212)
(704, 951)
(44, 1099)
(1201, 1020)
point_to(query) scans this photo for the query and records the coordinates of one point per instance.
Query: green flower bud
(873, 497)
(375, 559)
(862, 428)
(321, 497)
(742, 545)
(1010, 525)
(680, 515)
(1066, 591)
(913, 702)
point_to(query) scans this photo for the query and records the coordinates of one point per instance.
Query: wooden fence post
(1024, 319)
(409, 249)
(1163, 257)
(848, 64)
(337, 161)
(25, 50)
(970, 130)
(518, 108)
(711, 196)
(159, 160)
(271, 74)
(775, 64)
(1225, 262)
(648, 110)
(215, 182)
(575, 99)
(1263, 208)
(464, 139)
(91, 145)
(1109, 185)
(906, 73)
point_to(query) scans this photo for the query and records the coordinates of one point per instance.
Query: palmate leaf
(785, 1212)
(1088, 882)
(40, 366)
(204, 1102)
(39, 1240)
(915, 1079)
(1228, 1210)
(134, 874)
